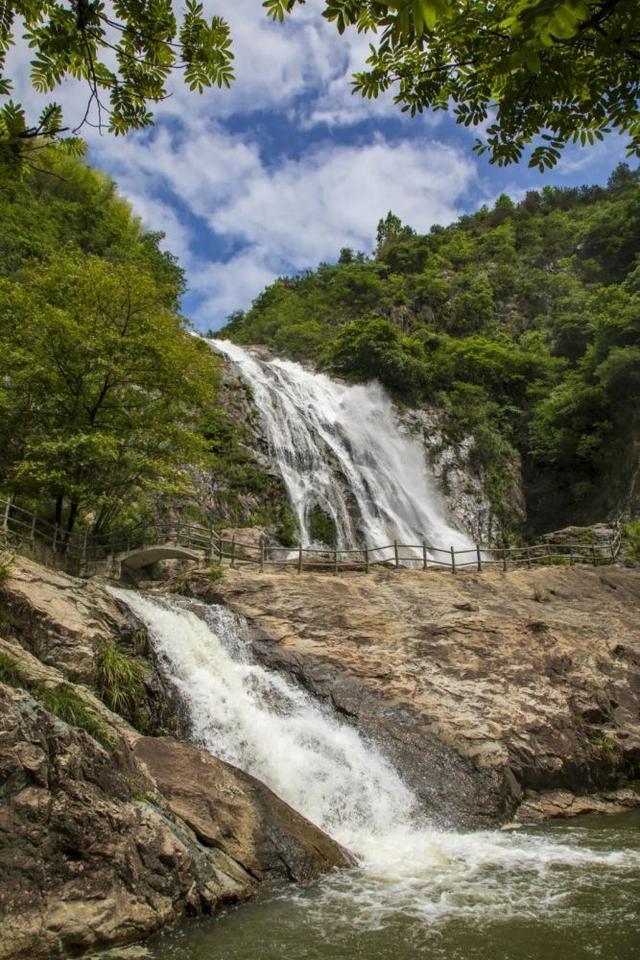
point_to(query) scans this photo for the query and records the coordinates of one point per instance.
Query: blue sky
(282, 171)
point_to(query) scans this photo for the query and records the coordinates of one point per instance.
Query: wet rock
(92, 852)
(83, 862)
(231, 811)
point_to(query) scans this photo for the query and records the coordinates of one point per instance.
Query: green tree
(391, 231)
(542, 72)
(101, 388)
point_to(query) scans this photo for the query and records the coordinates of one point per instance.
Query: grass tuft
(6, 562)
(120, 679)
(214, 573)
(11, 672)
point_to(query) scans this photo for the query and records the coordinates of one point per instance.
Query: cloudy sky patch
(287, 167)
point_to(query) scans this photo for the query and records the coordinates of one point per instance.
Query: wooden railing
(423, 556)
(28, 532)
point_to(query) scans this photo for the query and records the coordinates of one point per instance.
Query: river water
(568, 890)
(577, 906)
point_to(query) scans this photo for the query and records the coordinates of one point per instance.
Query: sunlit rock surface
(479, 687)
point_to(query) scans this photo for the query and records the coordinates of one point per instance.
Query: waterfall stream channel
(340, 448)
(569, 890)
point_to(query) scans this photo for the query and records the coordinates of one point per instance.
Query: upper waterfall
(341, 448)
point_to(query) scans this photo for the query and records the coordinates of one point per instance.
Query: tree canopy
(103, 391)
(125, 52)
(533, 74)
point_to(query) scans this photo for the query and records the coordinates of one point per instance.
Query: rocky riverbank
(107, 834)
(496, 695)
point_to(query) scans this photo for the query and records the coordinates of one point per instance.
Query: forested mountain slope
(522, 321)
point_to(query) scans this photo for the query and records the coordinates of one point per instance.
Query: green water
(567, 891)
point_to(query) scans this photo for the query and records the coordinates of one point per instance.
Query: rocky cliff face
(243, 502)
(107, 835)
(485, 690)
(463, 481)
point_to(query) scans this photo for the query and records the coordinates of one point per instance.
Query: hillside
(110, 411)
(522, 321)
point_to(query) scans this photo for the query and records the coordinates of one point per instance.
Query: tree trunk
(71, 522)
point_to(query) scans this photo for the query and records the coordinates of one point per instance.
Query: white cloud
(304, 211)
(208, 188)
(287, 216)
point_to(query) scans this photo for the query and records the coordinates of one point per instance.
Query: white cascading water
(340, 448)
(259, 721)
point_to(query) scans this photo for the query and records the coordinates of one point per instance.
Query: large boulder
(62, 620)
(479, 687)
(87, 861)
(232, 811)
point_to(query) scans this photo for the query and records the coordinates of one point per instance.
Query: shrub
(631, 540)
(6, 560)
(287, 528)
(214, 573)
(120, 679)
(322, 527)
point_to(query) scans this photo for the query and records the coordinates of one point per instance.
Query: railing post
(425, 559)
(529, 558)
(300, 559)
(396, 554)
(84, 546)
(366, 559)
(220, 550)
(594, 555)
(210, 550)
(34, 520)
(54, 545)
(262, 552)
(453, 560)
(571, 555)
(479, 556)
(504, 559)
(335, 560)
(178, 534)
(7, 511)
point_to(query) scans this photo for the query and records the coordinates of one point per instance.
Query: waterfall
(340, 448)
(261, 722)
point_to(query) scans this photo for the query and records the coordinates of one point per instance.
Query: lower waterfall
(261, 722)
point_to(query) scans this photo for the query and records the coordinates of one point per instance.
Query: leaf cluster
(125, 52)
(532, 76)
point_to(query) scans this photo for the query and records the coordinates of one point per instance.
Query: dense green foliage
(546, 72)
(522, 321)
(103, 392)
